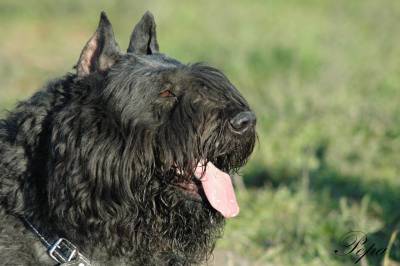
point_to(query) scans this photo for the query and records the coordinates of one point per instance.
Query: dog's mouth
(192, 188)
(215, 185)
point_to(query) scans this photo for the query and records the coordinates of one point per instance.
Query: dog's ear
(144, 37)
(100, 52)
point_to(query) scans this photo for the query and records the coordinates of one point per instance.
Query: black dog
(124, 161)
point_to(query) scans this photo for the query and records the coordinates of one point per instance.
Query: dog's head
(142, 150)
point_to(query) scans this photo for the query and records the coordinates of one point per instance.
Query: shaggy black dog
(124, 162)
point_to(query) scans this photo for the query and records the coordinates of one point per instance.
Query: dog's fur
(94, 156)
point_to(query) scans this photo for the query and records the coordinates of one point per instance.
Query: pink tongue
(218, 188)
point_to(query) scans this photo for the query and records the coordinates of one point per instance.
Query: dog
(125, 161)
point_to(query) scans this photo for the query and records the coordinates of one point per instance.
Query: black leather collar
(60, 250)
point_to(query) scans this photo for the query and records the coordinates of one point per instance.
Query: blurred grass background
(322, 76)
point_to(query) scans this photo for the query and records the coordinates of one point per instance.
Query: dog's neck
(138, 235)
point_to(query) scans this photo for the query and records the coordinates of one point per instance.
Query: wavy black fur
(93, 157)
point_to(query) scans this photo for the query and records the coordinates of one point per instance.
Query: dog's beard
(192, 225)
(185, 222)
(143, 216)
(188, 226)
(170, 229)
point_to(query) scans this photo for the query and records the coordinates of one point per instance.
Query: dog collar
(62, 251)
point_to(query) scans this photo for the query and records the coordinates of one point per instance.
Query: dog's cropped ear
(100, 52)
(144, 37)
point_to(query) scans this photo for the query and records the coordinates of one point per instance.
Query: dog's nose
(243, 121)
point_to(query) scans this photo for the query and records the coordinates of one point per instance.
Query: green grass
(322, 76)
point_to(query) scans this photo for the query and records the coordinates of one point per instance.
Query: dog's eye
(167, 93)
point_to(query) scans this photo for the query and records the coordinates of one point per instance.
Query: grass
(323, 78)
